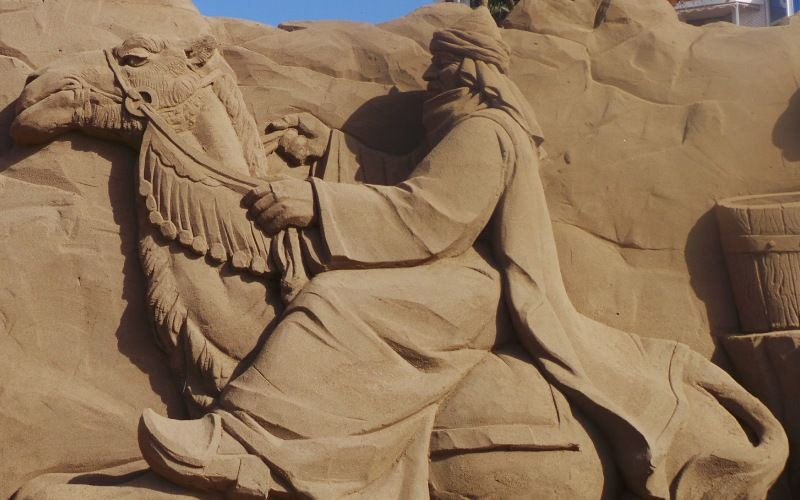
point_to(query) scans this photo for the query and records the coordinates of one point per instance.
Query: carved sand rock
(646, 126)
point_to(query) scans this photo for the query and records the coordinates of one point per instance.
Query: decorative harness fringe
(192, 201)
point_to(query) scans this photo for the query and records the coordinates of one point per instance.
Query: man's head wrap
(486, 58)
(476, 36)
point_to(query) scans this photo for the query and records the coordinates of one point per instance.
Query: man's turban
(476, 36)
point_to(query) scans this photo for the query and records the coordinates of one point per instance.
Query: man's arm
(348, 161)
(303, 138)
(438, 212)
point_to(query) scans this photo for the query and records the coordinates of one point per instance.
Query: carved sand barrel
(761, 241)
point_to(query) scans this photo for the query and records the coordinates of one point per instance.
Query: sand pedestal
(768, 365)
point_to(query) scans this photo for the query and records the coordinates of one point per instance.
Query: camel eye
(133, 60)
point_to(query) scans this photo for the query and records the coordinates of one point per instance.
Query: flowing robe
(342, 397)
(412, 280)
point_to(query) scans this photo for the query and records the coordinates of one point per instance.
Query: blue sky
(274, 12)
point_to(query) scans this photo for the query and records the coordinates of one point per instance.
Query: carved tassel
(197, 211)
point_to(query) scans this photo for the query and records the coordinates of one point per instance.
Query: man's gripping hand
(278, 205)
(302, 137)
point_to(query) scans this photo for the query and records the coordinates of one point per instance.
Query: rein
(135, 104)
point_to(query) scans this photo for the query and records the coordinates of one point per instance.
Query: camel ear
(201, 50)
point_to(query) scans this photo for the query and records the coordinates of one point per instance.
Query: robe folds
(409, 282)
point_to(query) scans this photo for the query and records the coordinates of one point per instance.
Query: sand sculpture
(382, 317)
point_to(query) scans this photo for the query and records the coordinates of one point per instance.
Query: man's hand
(300, 136)
(281, 204)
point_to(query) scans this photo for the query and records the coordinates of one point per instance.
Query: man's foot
(200, 454)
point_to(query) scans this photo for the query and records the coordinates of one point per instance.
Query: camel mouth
(47, 107)
(40, 120)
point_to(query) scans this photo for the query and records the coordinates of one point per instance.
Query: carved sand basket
(761, 241)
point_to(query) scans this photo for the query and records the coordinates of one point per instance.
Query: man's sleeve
(347, 161)
(438, 212)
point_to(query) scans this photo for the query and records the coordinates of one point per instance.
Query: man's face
(442, 75)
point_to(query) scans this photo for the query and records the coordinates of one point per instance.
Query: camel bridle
(135, 103)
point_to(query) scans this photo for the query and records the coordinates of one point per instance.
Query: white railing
(694, 4)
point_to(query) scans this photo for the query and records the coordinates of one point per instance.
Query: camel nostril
(31, 78)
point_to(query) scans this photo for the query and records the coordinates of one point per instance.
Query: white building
(741, 12)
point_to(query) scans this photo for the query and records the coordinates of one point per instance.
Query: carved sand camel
(213, 288)
(182, 198)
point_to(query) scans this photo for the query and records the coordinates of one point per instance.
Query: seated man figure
(407, 283)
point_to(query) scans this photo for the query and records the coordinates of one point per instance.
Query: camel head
(81, 92)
